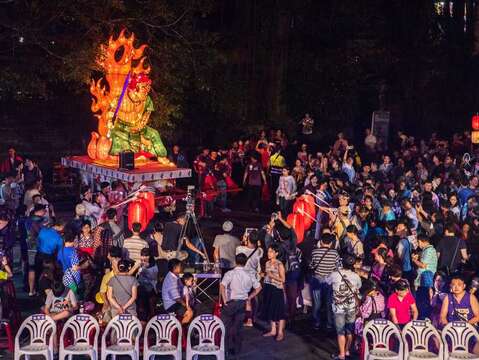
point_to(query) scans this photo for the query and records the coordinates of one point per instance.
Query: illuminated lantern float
(122, 105)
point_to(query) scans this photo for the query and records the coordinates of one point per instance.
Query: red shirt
(403, 308)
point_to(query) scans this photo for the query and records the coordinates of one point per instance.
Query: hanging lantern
(475, 122)
(296, 221)
(148, 199)
(137, 213)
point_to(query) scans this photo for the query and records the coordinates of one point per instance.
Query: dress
(274, 308)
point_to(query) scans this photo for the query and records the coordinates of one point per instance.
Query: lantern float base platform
(144, 171)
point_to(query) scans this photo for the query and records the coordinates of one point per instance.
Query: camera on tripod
(190, 199)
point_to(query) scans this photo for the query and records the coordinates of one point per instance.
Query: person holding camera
(122, 291)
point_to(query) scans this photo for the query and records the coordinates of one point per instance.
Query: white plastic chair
(207, 327)
(421, 334)
(81, 326)
(459, 335)
(124, 332)
(381, 332)
(42, 330)
(163, 327)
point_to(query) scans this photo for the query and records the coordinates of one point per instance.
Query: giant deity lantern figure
(123, 105)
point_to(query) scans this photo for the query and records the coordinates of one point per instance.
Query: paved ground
(301, 341)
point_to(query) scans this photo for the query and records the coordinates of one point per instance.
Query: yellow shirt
(277, 160)
(104, 281)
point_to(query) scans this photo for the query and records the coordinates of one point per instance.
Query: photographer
(172, 245)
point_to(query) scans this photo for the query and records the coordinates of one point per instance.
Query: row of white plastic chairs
(121, 337)
(419, 339)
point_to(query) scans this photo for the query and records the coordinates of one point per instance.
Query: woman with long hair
(274, 308)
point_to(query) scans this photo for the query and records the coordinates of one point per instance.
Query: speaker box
(127, 160)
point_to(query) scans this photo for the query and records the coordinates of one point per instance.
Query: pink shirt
(403, 308)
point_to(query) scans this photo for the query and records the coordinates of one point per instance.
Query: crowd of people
(396, 235)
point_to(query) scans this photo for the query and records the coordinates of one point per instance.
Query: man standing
(49, 243)
(225, 248)
(106, 235)
(172, 245)
(426, 268)
(345, 284)
(134, 244)
(253, 176)
(451, 250)
(234, 290)
(324, 260)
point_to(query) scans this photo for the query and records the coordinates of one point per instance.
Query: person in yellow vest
(276, 164)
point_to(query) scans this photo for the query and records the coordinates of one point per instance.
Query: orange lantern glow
(149, 201)
(137, 213)
(475, 122)
(296, 221)
(106, 90)
(103, 147)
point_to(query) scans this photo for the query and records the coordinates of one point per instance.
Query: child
(189, 289)
(61, 302)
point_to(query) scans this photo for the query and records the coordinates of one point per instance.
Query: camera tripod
(190, 217)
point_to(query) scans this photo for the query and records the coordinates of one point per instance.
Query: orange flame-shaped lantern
(116, 60)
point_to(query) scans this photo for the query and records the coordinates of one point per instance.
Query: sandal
(280, 338)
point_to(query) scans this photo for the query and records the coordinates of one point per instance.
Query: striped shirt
(133, 245)
(324, 262)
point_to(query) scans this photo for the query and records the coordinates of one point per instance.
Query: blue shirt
(406, 255)
(171, 290)
(49, 241)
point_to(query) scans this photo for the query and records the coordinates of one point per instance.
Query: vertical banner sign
(380, 127)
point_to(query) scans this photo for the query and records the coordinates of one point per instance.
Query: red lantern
(230, 184)
(296, 221)
(149, 201)
(475, 122)
(137, 213)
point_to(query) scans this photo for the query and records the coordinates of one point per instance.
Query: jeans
(321, 291)
(344, 322)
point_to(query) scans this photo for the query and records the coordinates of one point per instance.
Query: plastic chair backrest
(381, 331)
(459, 334)
(81, 326)
(125, 326)
(39, 327)
(207, 326)
(420, 333)
(164, 326)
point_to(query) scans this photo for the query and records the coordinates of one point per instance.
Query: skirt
(274, 308)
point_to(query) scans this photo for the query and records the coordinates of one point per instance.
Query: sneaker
(316, 327)
(226, 210)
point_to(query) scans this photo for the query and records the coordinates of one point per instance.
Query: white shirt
(238, 283)
(253, 265)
